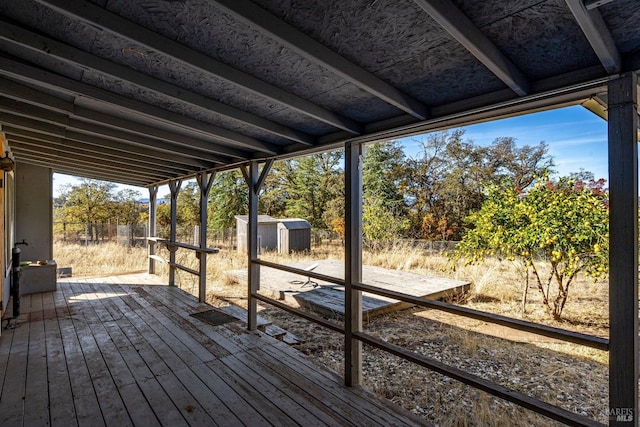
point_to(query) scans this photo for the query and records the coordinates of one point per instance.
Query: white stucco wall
(34, 222)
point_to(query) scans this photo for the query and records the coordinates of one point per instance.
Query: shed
(267, 232)
(294, 235)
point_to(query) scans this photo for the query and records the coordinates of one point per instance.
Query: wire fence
(136, 235)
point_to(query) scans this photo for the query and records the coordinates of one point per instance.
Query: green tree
(188, 206)
(274, 193)
(446, 181)
(128, 208)
(314, 181)
(229, 196)
(90, 202)
(163, 212)
(520, 165)
(384, 213)
(562, 224)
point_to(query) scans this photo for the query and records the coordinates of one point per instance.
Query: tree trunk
(525, 292)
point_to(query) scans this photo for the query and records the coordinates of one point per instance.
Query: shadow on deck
(118, 351)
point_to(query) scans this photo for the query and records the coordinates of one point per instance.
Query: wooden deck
(328, 299)
(119, 351)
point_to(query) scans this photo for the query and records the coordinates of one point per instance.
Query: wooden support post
(254, 181)
(353, 263)
(204, 182)
(153, 194)
(623, 251)
(174, 188)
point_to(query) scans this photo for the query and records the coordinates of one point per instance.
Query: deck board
(62, 411)
(328, 299)
(111, 404)
(11, 397)
(36, 401)
(120, 351)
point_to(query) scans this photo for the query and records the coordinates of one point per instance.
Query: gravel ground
(559, 373)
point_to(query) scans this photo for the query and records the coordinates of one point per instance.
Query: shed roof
(262, 219)
(294, 224)
(145, 92)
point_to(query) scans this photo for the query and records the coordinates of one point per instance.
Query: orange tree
(563, 225)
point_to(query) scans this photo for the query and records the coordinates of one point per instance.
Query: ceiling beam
(8, 105)
(44, 79)
(176, 163)
(274, 27)
(25, 38)
(92, 116)
(54, 161)
(58, 125)
(561, 90)
(97, 16)
(20, 92)
(107, 132)
(24, 94)
(73, 147)
(593, 4)
(598, 35)
(123, 149)
(28, 123)
(81, 172)
(456, 23)
(58, 156)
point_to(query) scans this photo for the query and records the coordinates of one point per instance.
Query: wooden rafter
(44, 79)
(24, 38)
(598, 35)
(315, 51)
(456, 23)
(97, 16)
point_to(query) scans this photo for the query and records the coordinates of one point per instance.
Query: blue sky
(576, 137)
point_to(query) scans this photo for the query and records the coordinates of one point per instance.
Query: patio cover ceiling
(142, 92)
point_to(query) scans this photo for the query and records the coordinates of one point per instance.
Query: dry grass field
(100, 259)
(567, 375)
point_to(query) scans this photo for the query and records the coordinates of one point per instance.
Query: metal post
(353, 263)
(204, 182)
(153, 194)
(252, 246)
(623, 253)
(174, 188)
(255, 181)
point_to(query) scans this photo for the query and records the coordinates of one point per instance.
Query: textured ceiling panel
(396, 40)
(487, 12)
(43, 60)
(622, 18)
(158, 100)
(543, 40)
(51, 23)
(201, 26)
(253, 79)
(355, 103)
(381, 38)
